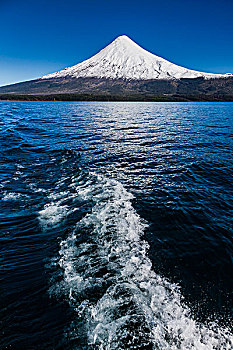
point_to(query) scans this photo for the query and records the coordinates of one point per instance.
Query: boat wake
(104, 272)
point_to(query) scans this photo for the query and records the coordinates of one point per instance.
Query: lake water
(116, 225)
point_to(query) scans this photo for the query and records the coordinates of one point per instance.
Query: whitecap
(52, 214)
(13, 196)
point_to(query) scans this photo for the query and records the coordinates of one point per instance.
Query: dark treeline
(92, 97)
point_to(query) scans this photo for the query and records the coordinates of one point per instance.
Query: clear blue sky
(40, 37)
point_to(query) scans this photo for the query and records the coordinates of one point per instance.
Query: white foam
(52, 214)
(136, 308)
(12, 196)
(55, 211)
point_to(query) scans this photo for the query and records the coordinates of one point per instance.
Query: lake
(116, 225)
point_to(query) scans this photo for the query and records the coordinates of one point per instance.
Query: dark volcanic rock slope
(118, 89)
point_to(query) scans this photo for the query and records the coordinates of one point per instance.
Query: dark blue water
(116, 225)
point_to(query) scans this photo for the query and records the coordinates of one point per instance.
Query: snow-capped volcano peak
(124, 59)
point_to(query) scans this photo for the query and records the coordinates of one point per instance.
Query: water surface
(116, 225)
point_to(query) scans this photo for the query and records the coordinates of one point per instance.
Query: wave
(119, 302)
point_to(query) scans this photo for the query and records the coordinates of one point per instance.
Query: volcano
(124, 70)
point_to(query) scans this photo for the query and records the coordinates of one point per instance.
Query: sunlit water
(116, 225)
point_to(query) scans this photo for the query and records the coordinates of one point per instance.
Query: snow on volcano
(124, 59)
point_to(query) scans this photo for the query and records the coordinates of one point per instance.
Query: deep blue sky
(40, 37)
